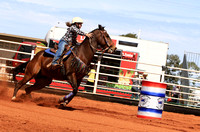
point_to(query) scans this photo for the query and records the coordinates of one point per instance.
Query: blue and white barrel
(151, 101)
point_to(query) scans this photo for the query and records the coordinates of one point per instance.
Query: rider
(70, 37)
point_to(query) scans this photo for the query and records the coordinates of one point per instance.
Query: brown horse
(75, 67)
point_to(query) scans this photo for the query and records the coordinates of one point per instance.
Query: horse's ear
(101, 27)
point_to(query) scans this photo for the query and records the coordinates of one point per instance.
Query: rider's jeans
(61, 47)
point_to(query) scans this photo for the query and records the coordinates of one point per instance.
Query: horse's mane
(87, 39)
(94, 30)
(101, 28)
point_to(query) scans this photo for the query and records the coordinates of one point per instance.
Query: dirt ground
(41, 113)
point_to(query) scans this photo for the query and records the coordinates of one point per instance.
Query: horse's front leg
(75, 84)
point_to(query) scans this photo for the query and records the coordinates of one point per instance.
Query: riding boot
(57, 65)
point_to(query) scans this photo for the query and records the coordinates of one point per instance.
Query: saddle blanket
(48, 51)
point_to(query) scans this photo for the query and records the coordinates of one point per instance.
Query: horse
(75, 66)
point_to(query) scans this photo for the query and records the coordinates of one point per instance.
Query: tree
(172, 61)
(130, 35)
(193, 66)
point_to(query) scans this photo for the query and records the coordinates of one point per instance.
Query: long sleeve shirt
(72, 33)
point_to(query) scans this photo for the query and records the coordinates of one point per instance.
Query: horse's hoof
(64, 104)
(61, 99)
(27, 91)
(13, 98)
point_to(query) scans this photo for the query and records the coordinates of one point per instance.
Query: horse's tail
(21, 68)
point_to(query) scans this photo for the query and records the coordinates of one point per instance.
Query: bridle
(108, 45)
(106, 41)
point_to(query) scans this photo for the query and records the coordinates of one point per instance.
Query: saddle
(52, 52)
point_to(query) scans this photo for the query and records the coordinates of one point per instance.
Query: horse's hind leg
(32, 70)
(40, 82)
(27, 77)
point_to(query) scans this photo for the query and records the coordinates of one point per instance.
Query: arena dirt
(41, 113)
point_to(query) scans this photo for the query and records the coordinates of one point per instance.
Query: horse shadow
(45, 102)
(67, 108)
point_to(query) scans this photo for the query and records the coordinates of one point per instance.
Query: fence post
(33, 52)
(97, 74)
(163, 73)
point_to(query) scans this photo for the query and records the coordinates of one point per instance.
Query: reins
(108, 45)
(93, 48)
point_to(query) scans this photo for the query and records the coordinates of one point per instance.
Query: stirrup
(56, 66)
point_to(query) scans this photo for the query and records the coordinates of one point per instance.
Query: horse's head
(104, 40)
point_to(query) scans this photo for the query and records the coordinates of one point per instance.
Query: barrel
(151, 100)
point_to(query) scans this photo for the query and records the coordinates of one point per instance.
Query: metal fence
(115, 88)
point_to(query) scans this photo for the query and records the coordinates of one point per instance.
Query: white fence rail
(119, 90)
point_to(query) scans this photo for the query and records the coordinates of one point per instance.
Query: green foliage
(192, 65)
(121, 72)
(130, 35)
(172, 61)
(122, 87)
(110, 85)
(118, 86)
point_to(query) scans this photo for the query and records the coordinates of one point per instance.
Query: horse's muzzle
(112, 50)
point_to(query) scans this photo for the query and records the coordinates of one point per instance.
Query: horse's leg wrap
(69, 96)
(65, 100)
